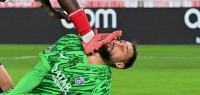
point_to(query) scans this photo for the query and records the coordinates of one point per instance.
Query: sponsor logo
(198, 40)
(60, 80)
(107, 16)
(195, 12)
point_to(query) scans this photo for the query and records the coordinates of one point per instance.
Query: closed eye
(122, 49)
(126, 49)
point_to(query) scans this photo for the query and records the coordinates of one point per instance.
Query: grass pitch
(159, 70)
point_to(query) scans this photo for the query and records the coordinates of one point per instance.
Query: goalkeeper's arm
(30, 80)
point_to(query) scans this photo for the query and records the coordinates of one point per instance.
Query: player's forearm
(69, 5)
(78, 17)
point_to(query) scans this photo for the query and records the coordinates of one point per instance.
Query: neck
(95, 59)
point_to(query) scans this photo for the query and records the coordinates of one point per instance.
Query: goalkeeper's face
(117, 53)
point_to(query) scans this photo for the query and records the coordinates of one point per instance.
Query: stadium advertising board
(145, 25)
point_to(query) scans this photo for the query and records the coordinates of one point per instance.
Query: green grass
(159, 70)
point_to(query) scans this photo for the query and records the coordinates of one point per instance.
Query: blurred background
(147, 21)
(167, 33)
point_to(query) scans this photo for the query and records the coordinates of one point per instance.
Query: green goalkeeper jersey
(64, 70)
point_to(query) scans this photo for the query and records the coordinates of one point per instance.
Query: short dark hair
(132, 60)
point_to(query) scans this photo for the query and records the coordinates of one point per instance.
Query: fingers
(59, 15)
(65, 16)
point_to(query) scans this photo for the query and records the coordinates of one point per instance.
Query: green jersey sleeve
(30, 80)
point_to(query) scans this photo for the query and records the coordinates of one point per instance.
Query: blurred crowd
(108, 3)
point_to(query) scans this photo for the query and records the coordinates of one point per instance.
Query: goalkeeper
(65, 69)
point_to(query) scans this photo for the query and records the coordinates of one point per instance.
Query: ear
(120, 65)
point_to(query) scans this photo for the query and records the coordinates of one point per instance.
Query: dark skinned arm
(53, 12)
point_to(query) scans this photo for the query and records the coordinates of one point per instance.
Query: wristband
(80, 21)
